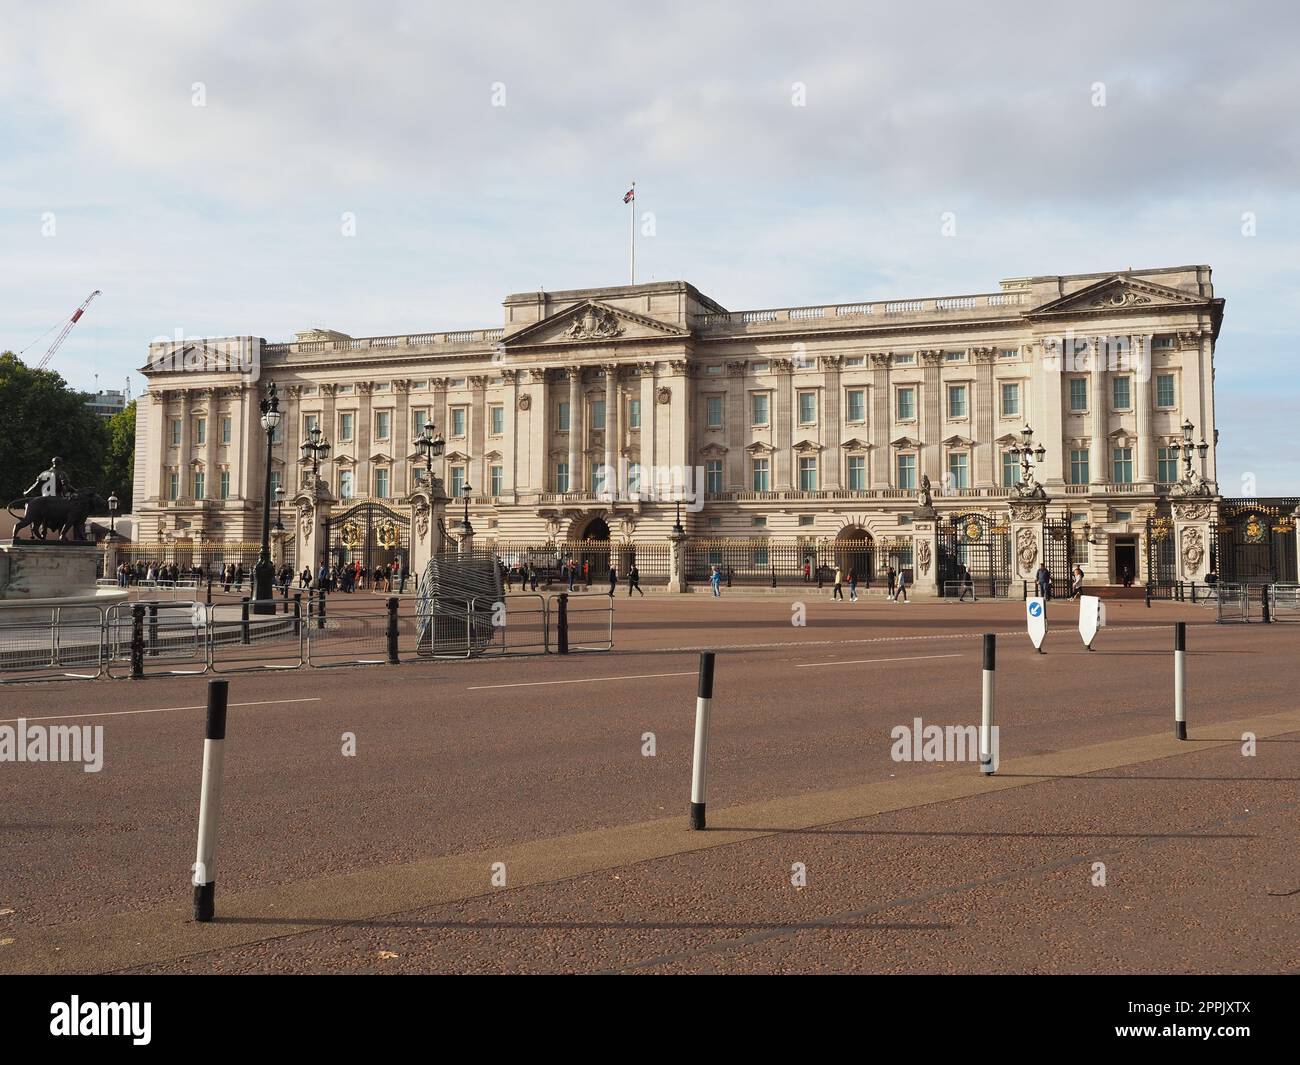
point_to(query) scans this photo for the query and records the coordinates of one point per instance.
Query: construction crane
(67, 328)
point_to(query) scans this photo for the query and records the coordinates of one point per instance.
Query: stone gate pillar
(311, 507)
(428, 520)
(1192, 520)
(925, 555)
(1026, 520)
(677, 560)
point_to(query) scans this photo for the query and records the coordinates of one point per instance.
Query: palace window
(1123, 465)
(634, 414)
(1009, 353)
(225, 429)
(1011, 399)
(175, 430)
(1122, 393)
(807, 408)
(905, 360)
(345, 484)
(807, 475)
(598, 414)
(276, 481)
(759, 521)
(383, 422)
(959, 469)
(173, 486)
(459, 419)
(807, 519)
(1078, 395)
(598, 480)
(857, 406)
(956, 401)
(562, 417)
(309, 422)
(200, 430)
(345, 425)
(762, 475)
(1010, 469)
(857, 473)
(346, 390)
(418, 418)
(1164, 390)
(1166, 465)
(225, 484)
(496, 419)
(198, 484)
(954, 356)
(1079, 471)
(906, 404)
(381, 484)
(713, 415)
(758, 408)
(713, 475)
(855, 360)
(457, 481)
(633, 477)
(496, 475)
(906, 467)
(561, 477)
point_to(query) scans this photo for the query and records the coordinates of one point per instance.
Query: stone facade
(805, 421)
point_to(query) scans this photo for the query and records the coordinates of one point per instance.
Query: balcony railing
(411, 340)
(941, 305)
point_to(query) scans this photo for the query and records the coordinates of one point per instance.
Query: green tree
(119, 460)
(43, 417)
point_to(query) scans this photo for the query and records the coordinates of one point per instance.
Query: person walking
(892, 577)
(532, 576)
(1076, 583)
(807, 571)
(613, 579)
(853, 586)
(967, 584)
(901, 586)
(634, 581)
(715, 579)
(837, 587)
(1043, 581)
(572, 569)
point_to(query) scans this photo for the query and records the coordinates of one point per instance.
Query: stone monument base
(50, 571)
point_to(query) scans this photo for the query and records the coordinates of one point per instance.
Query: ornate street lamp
(1029, 455)
(315, 450)
(112, 516)
(264, 571)
(279, 505)
(466, 528)
(677, 526)
(431, 443)
(1190, 483)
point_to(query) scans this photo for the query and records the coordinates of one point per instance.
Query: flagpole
(631, 233)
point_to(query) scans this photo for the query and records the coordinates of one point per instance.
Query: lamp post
(677, 526)
(431, 443)
(279, 508)
(264, 571)
(112, 516)
(465, 527)
(1188, 449)
(314, 449)
(1029, 455)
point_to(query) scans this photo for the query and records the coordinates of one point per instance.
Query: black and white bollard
(700, 764)
(1180, 680)
(986, 718)
(214, 745)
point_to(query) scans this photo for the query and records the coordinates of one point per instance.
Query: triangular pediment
(713, 449)
(904, 442)
(758, 447)
(594, 322)
(956, 441)
(1120, 292)
(855, 444)
(805, 446)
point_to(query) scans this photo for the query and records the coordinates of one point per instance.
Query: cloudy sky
(229, 217)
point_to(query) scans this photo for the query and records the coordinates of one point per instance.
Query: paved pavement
(333, 863)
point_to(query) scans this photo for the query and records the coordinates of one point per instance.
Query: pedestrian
(967, 584)
(807, 571)
(613, 579)
(901, 587)
(634, 581)
(715, 579)
(892, 577)
(532, 576)
(1076, 583)
(853, 586)
(837, 590)
(1043, 581)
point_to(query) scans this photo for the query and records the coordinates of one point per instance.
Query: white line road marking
(868, 661)
(581, 680)
(160, 710)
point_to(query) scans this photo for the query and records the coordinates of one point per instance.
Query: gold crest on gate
(1254, 530)
(350, 534)
(974, 530)
(386, 533)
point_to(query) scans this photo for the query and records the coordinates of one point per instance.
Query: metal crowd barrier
(1233, 603)
(588, 625)
(519, 624)
(331, 638)
(51, 643)
(1284, 598)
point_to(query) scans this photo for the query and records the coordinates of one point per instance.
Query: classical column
(364, 474)
(1100, 401)
(538, 398)
(931, 462)
(438, 414)
(1141, 363)
(880, 418)
(985, 407)
(1205, 389)
(478, 434)
(510, 446)
(649, 407)
(737, 426)
(611, 428)
(783, 427)
(831, 472)
(331, 433)
(402, 438)
(185, 470)
(575, 427)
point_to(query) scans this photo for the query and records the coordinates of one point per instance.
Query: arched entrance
(855, 552)
(588, 549)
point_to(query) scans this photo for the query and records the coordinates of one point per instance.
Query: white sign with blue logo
(1036, 614)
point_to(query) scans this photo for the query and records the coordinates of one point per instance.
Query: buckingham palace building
(936, 430)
